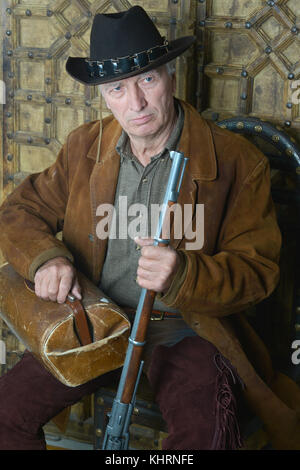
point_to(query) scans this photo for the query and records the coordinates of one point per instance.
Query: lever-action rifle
(117, 432)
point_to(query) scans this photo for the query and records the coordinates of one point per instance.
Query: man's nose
(137, 99)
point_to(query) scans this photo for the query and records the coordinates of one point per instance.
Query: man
(236, 265)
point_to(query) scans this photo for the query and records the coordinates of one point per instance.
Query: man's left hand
(157, 265)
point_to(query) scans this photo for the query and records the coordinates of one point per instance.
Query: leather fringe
(227, 433)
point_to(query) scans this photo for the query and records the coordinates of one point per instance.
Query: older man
(235, 266)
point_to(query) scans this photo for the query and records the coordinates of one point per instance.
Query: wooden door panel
(229, 8)
(248, 60)
(44, 103)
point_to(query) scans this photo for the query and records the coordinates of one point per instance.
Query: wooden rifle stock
(133, 369)
(141, 333)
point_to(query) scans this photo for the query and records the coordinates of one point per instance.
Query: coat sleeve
(244, 269)
(32, 215)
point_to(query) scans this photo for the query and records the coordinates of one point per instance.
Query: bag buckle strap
(83, 327)
(81, 322)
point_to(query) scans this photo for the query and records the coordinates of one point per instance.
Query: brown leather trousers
(193, 384)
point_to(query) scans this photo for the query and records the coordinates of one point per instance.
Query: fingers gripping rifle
(117, 432)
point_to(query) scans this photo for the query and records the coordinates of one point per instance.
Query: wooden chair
(277, 319)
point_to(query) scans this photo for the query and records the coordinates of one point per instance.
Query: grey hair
(171, 67)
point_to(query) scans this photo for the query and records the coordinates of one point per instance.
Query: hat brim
(76, 66)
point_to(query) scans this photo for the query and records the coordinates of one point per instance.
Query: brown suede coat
(238, 264)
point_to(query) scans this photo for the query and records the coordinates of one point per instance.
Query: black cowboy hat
(122, 45)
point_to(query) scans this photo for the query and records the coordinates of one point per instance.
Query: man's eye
(148, 79)
(117, 88)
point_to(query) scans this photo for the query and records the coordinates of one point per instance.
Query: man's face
(142, 104)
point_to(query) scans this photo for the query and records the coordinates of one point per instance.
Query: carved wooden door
(249, 60)
(43, 103)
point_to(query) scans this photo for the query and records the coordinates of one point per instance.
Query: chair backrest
(286, 157)
(277, 319)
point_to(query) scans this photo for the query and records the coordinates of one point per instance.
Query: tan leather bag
(47, 329)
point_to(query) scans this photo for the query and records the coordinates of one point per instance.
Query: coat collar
(111, 133)
(196, 142)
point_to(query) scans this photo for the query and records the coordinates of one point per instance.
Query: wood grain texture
(249, 61)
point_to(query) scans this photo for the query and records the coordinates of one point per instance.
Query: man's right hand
(55, 279)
